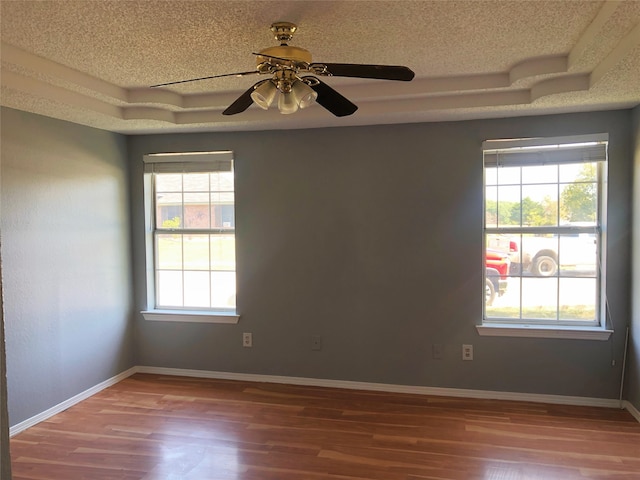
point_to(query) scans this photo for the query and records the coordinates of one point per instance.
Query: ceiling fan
(287, 67)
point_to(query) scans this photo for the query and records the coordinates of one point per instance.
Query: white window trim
(193, 316)
(175, 315)
(524, 330)
(543, 331)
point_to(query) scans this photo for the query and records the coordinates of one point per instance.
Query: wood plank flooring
(152, 427)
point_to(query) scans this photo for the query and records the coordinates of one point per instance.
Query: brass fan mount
(283, 31)
(284, 55)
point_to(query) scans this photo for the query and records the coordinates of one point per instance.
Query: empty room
(304, 240)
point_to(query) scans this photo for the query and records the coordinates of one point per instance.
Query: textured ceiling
(92, 61)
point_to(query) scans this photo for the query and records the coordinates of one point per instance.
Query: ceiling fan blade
(243, 102)
(238, 74)
(383, 72)
(332, 100)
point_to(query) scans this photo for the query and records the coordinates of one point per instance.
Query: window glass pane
(169, 210)
(222, 210)
(498, 243)
(578, 299)
(539, 205)
(223, 289)
(168, 182)
(578, 172)
(491, 207)
(540, 298)
(169, 288)
(196, 210)
(196, 252)
(223, 216)
(491, 176)
(490, 291)
(579, 203)
(169, 251)
(515, 254)
(507, 305)
(540, 254)
(222, 182)
(196, 182)
(222, 198)
(540, 174)
(509, 211)
(509, 176)
(223, 253)
(196, 289)
(578, 254)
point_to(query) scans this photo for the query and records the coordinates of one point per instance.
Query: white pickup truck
(543, 255)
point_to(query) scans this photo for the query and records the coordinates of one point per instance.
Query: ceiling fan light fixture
(287, 103)
(285, 64)
(305, 95)
(264, 94)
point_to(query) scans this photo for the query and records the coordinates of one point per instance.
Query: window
(544, 235)
(190, 236)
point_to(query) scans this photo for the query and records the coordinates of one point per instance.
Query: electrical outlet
(316, 342)
(437, 351)
(467, 352)
(247, 340)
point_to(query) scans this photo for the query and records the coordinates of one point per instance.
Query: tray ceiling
(92, 62)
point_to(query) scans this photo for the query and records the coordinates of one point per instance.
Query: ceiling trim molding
(621, 50)
(35, 63)
(41, 89)
(424, 94)
(591, 32)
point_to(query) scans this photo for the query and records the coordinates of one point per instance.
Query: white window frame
(540, 329)
(190, 162)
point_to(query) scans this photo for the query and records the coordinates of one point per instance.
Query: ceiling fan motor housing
(295, 54)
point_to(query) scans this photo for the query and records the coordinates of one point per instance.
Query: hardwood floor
(152, 427)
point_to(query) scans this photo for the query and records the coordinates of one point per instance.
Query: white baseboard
(631, 409)
(319, 382)
(383, 387)
(29, 422)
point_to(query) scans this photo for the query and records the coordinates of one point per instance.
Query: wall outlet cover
(467, 352)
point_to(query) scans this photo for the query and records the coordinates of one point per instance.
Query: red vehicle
(497, 266)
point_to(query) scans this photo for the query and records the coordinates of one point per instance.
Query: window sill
(543, 331)
(190, 316)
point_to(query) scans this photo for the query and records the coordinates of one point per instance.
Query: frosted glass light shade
(287, 103)
(305, 95)
(264, 95)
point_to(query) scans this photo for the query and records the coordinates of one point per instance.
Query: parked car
(577, 253)
(497, 266)
(504, 244)
(538, 255)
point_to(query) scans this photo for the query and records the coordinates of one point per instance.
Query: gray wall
(66, 260)
(368, 236)
(632, 386)
(5, 456)
(371, 238)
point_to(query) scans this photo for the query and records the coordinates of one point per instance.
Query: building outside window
(545, 231)
(190, 220)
